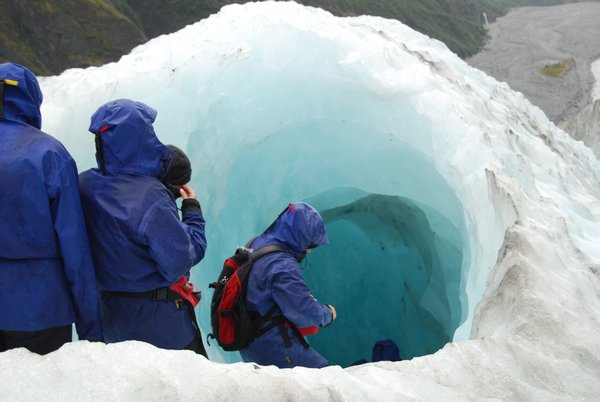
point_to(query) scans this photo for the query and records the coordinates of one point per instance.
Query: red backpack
(233, 326)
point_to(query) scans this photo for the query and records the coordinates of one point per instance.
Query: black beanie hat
(181, 170)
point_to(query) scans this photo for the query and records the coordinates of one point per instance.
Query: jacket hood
(22, 96)
(126, 141)
(299, 227)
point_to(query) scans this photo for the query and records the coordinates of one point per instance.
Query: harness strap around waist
(282, 323)
(160, 294)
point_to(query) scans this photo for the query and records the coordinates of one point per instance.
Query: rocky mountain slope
(585, 126)
(50, 36)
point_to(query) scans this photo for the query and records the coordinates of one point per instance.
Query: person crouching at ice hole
(277, 289)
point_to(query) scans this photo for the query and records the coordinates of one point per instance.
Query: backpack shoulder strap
(280, 321)
(261, 252)
(254, 255)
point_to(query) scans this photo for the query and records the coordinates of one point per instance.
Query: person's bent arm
(193, 220)
(174, 245)
(295, 299)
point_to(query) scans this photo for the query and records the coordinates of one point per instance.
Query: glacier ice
(457, 211)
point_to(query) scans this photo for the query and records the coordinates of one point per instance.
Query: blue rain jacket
(276, 279)
(137, 239)
(46, 271)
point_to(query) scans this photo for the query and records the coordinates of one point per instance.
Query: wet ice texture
(456, 210)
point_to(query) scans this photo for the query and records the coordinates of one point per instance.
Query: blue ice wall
(394, 265)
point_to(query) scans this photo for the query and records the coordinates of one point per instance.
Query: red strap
(309, 330)
(186, 289)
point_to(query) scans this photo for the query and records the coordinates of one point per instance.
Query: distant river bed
(527, 39)
(596, 72)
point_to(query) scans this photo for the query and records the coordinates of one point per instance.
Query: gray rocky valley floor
(527, 39)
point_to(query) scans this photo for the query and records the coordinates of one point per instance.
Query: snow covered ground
(314, 103)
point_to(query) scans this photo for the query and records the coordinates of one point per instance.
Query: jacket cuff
(331, 315)
(190, 204)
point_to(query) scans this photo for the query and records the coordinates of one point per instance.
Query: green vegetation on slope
(50, 36)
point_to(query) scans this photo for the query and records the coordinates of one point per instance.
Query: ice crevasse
(462, 223)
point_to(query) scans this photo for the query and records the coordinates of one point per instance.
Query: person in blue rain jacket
(277, 290)
(139, 244)
(47, 279)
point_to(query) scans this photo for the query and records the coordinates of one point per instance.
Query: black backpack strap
(254, 256)
(296, 332)
(262, 319)
(279, 321)
(159, 294)
(282, 323)
(261, 252)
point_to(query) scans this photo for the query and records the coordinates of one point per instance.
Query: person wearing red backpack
(277, 291)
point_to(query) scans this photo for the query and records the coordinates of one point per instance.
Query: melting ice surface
(462, 223)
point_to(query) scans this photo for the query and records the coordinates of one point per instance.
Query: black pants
(41, 342)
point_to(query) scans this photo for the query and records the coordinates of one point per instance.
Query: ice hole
(390, 275)
(398, 255)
